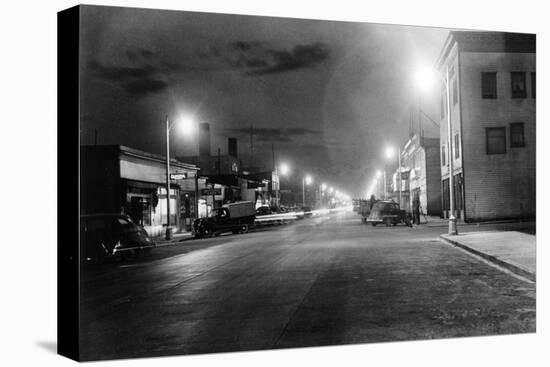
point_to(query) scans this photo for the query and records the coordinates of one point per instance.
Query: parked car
(234, 217)
(105, 236)
(389, 213)
(263, 210)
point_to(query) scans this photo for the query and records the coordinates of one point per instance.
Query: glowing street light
(425, 79)
(323, 186)
(285, 169)
(186, 125)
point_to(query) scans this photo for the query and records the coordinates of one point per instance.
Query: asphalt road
(320, 281)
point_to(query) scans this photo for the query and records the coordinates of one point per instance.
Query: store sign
(178, 176)
(207, 192)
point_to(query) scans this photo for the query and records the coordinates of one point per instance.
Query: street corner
(511, 250)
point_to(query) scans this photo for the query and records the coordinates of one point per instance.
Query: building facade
(492, 93)
(118, 179)
(420, 158)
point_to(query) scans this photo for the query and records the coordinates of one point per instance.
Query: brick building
(492, 88)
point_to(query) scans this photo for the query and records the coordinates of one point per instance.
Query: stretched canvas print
(235, 183)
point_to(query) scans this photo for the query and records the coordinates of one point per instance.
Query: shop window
(496, 140)
(489, 85)
(517, 138)
(519, 89)
(534, 85)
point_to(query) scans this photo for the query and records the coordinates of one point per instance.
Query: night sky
(329, 95)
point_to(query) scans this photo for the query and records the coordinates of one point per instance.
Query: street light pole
(452, 219)
(168, 229)
(303, 191)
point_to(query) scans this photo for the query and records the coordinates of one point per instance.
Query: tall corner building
(492, 94)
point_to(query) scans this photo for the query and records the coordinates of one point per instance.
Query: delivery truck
(235, 217)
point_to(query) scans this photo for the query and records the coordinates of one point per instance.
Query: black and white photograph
(255, 183)
(243, 186)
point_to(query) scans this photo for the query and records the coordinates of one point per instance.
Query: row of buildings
(120, 179)
(492, 98)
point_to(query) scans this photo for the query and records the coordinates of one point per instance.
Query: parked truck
(362, 207)
(233, 217)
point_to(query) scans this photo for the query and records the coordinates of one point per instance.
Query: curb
(161, 243)
(511, 267)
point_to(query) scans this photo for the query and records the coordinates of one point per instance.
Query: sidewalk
(512, 250)
(177, 237)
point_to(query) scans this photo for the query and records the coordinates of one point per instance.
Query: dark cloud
(137, 81)
(146, 54)
(301, 57)
(243, 45)
(272, 135)
(132, 56)
(142, 87)
(258, 58)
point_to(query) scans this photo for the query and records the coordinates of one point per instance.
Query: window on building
(518, 85)
(457, 147)
(489, 85)
(443, 155)
(455, 91)
(534, 85)
(517, 138)
(496, 140)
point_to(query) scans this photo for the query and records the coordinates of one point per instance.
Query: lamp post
(284, 169)
(452, 219)
(424, 78)
(187, 125)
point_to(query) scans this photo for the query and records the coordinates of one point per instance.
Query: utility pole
(168, 229)
(452, 219)
(251, 146)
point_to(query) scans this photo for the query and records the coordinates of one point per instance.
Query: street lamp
(284, 169)
(306, 180)
(425, 78)
(187, 124)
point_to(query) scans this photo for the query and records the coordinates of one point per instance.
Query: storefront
(119, 179)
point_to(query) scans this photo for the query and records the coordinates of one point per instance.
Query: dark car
(389, 213)
(264, 210)
(105, 236)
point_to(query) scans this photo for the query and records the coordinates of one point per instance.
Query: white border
(28, 316)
